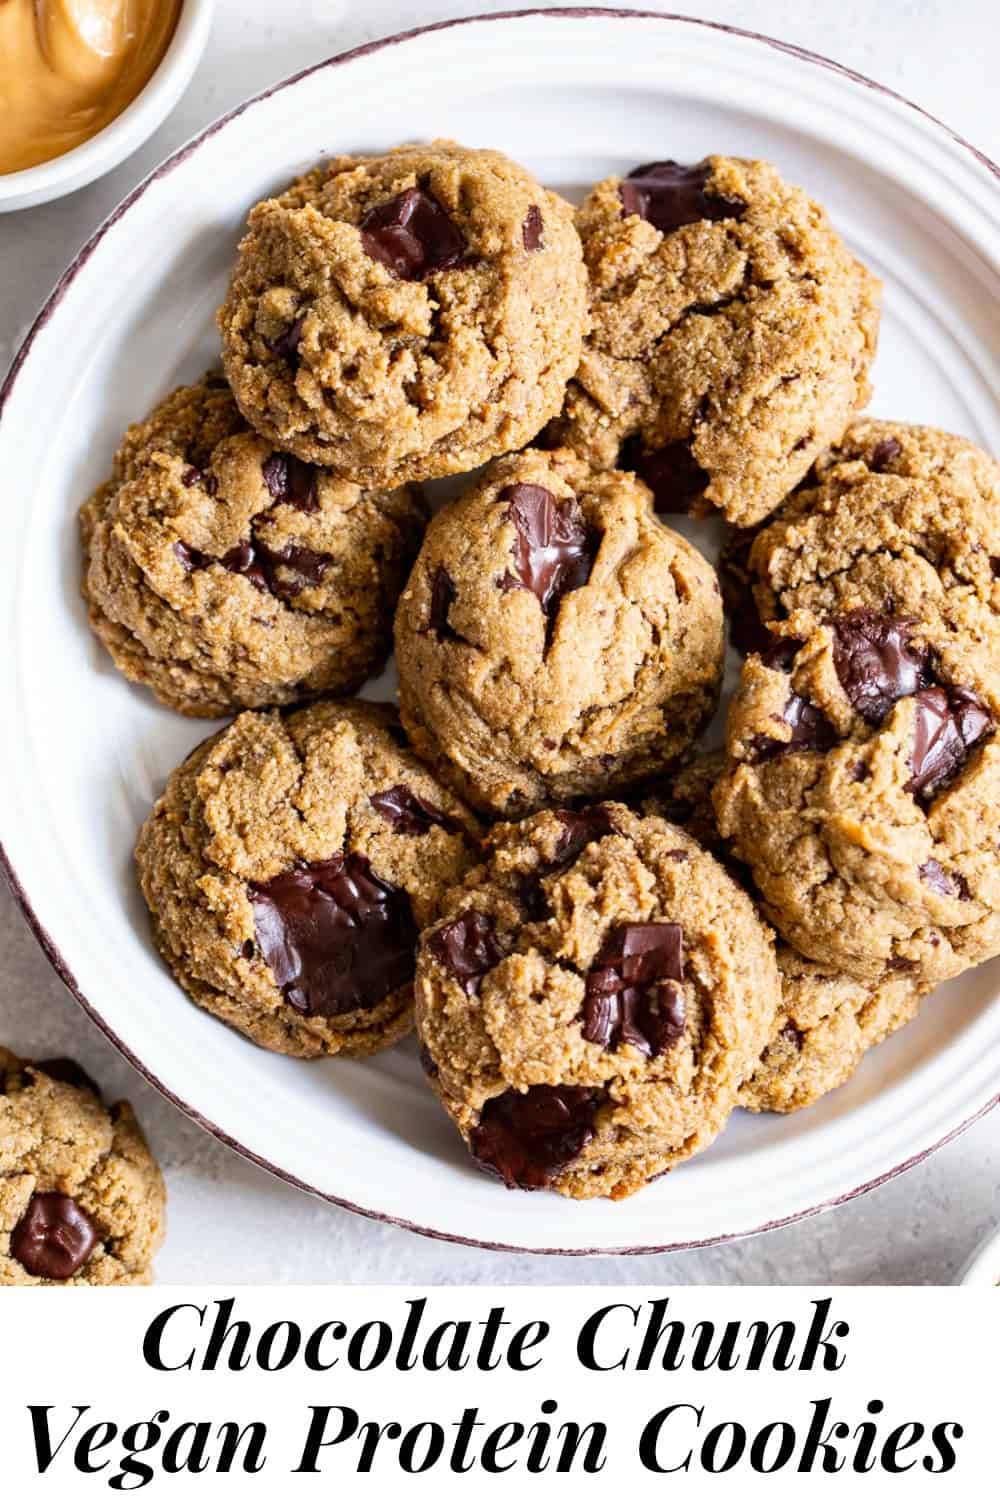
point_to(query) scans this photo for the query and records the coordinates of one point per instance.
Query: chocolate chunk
(877, 663)
(811, 730)
(427, 1062)
(948, 723)
(286, 345)
(532, 229)
(526, 1138)
(671, 472)
(406, 812)
(191, 476)
(669, 195)
(443, 596)
(790, 1033)
(291, 481)
(189, 558)
(54, 1238)
(412, 236)
(65, 1070)
(582, 828)
(901, 965)
(937, 877)
(883, 454)
(995, 566)
(532, 896)
(859, 771)
(289, 569)
(780, 654)
(553, 548)
(467, 947)
(335, 936)
(628, 999)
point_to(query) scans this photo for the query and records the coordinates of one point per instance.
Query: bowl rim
(124, 133)
(49, 947)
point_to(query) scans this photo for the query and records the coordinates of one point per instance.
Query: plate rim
(48, 945)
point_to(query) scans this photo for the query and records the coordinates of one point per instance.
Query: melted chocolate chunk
(948, 723)
(286, 345)
(580, 829)
(672, 473)
(553, 549)
(886, 450)
(291, 481)
(443, 596)
(937, 877)
(191, 476)
(55, 1238)
(407, 812)
(467, 947)
(669, 195)
(335, 936)
(289, 569)
(412, 236)
(629, 999)
(65, 1070)
(811, 730)
(877, 663)
(527, 1138)
(532, 229)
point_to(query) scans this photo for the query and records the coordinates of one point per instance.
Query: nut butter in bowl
(84, 82)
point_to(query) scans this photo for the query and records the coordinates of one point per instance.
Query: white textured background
(231, 1222)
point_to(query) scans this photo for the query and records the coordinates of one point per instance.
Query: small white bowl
(127, 131)
(984, 1267)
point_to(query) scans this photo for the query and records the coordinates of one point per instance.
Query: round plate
(575, 95)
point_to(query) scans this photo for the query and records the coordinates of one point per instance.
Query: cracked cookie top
(405, 316)
(827, 1020)
(288, 868)
(224, 574)
(731, 335)
(592, 1000)
(554, 639)
(892, 517)
(82, 1202)
(862, 788)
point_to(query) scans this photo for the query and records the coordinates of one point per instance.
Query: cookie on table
(554, 639)
(731, 340)
(225, 574)
(289, 867)
(592, 1001)
(862, 788)
(406, 316)
(890, 513)
(82, 1202)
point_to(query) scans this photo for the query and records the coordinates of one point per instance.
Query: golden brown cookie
(891, 517)
(554, 639)
(732, 335)
(224, 574)
(82, 1202)
(862, 788)
(405, 316)
(592, 1001)
(289, 867)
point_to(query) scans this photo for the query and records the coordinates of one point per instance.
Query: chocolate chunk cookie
(82, 1202)
(555, 640)
(592, 1001)
(224, 574)
(732, 335)
(405, 316)
(289, 867)
(863, 787)
(826, 1020)
(892, 517)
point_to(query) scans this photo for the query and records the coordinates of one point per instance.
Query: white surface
(261, 1231)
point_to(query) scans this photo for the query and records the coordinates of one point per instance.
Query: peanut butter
(68, 67)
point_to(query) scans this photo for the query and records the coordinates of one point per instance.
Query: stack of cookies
(531, 858)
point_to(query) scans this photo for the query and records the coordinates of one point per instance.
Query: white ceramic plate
(575, 96)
